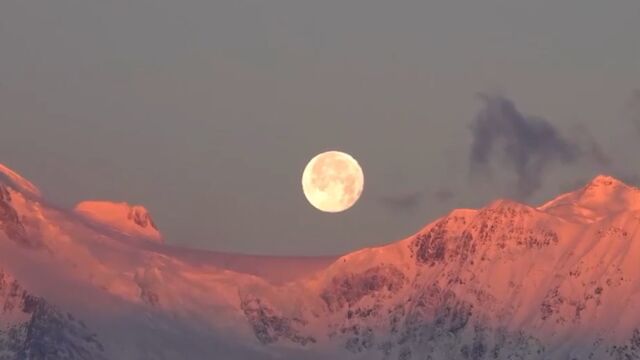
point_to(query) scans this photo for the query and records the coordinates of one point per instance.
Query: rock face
(32, 329)
(10, 220)
(346, 290)
(141, 217)
(133, 220)
(269, 326)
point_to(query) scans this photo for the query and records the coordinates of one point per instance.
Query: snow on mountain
(33, 329)
(507, 281)
(600, 198)
(17, 181)
(132, 220)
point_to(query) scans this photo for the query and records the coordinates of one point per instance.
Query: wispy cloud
(443, 195)
(523, 144)
(404, 202)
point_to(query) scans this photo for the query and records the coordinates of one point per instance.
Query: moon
(333, 181)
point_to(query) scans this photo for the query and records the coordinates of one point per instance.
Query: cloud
(525, 145)
(444, 195)
(590, 147)
(405, 202)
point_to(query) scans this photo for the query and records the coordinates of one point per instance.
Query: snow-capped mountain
(507, 281)
(133, 220)
(30, 328)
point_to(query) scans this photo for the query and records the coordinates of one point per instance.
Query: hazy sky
(206, 111)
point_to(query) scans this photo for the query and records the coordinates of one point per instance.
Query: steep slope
(507, 281)
(30, 328)
(18, 182)
(10, 223)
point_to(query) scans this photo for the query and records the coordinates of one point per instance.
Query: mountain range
(506, 281)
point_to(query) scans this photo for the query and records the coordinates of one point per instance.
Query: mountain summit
(129, 219)
(506, 281)
(602, 197)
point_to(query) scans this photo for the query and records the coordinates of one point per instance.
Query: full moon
(332, 181)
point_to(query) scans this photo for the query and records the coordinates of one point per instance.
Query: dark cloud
(444, 195)
(590, 147)
(405, 202)
(523, 144)
(596, 152)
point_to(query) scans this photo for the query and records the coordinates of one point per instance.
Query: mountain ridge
(130, 219)
(509, 280)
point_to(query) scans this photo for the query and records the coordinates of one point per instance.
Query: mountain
(133, 220)
(33, 329)
(507, 281)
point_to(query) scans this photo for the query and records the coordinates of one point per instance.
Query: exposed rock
(348, 289)
(32, 329)
(269, 326)
(10, 220)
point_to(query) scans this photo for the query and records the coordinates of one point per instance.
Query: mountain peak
(607, 189)
(16, 181)
(504, 281)
(506, 203)
(602, 197)
(133, 220)
(605, 181)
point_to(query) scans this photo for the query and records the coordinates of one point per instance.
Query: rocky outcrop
(269, 326)
(33, 329)
(141, 217)
(10, 222)
(349, 289)
(131, 220)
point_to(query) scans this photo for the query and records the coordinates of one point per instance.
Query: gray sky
(207, 111)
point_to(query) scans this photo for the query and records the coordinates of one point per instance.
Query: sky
(206, 112)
